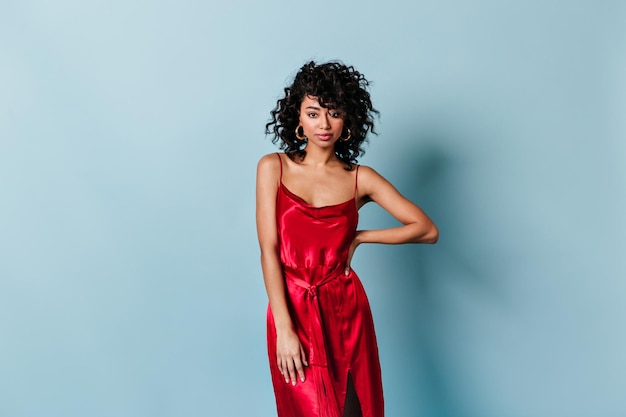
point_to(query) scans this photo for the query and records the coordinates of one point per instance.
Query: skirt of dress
(334, 323)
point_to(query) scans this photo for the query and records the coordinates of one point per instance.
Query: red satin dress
(329, 309)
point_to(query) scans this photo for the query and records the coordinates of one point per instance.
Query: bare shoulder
(367, 171)
(269, 165)
(373, 185)
(268, 161)
(369, 176)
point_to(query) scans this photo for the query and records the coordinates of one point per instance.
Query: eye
(312, 114)
(335, 114)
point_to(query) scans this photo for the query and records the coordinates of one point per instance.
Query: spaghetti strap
(356, 180)
(281, 166)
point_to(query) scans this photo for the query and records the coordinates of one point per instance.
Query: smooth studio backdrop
(129, 268)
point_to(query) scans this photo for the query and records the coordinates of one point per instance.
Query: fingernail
(302, 378)
(293, 383)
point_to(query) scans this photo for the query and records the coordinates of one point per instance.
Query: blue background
(129, 135)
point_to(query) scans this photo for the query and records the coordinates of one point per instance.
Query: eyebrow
(317, 108)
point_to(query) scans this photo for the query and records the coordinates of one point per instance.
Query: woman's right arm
(289, 352)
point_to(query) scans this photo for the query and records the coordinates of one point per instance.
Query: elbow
(430, 235)
(269, 253)
(433, 235)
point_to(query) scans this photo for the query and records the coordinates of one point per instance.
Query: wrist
(284, 328)
(360, 237)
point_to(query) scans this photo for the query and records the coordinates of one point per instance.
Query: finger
(347, 270)
(286, 372)
(279, 364)
(282, 368)
(349, 258)
(292, 372)
(299, 368)
(303, 356)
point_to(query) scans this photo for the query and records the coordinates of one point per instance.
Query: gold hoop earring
(297, 135)
(349, 136)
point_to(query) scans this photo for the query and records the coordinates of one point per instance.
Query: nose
(324, 123)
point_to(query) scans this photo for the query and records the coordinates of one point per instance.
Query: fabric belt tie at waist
(318, 357)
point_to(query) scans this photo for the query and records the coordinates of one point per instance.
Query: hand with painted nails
(290, 357)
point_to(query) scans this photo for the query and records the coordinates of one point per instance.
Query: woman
(322, 347)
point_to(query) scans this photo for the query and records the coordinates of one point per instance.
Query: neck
(317, 156)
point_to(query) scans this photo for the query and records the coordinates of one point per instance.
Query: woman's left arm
(416, 226)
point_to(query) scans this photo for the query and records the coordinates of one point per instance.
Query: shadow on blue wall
(427, 277)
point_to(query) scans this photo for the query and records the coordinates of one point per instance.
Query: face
(322, 126)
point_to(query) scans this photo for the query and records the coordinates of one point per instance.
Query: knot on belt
(311, 279)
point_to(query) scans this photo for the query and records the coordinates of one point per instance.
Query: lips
(324, 136)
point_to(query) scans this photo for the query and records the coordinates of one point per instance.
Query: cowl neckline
(301, 200)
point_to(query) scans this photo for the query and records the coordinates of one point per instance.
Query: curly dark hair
(335, 86)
